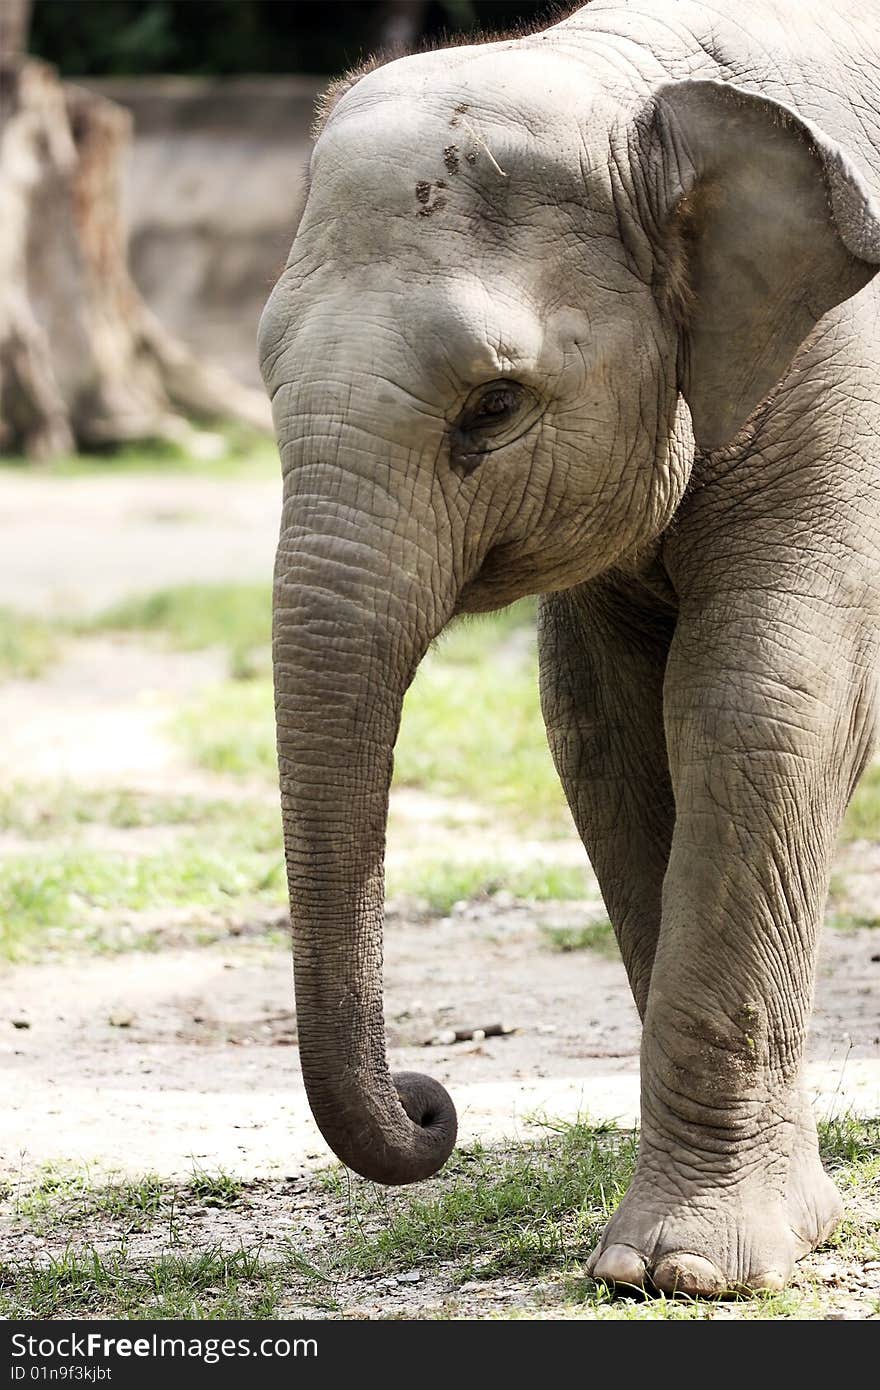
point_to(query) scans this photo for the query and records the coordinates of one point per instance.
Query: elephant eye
(494, 405)
(494, 415)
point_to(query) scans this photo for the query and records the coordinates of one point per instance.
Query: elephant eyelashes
(494, 415)
(496, 404)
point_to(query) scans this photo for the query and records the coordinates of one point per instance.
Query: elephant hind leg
(603, 650)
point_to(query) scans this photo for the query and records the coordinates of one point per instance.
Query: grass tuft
(193, 616)
(213, 1283)
(67, 894)
(439, 885)
(592, 936)
(543, 1205)
(27, 645)
(863, 817)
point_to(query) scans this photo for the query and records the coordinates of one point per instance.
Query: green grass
(39, 811)
(65, 896)
(241, 452)
(221, 859)
(529, 1213)
(851, 921)
(231, 729)
(216, 1189)
(224, 856)
(63, 1199)
(540, 1207)
(471, 724)
(849, 1142)
(863, 817)
(592, 936)
(541, 1211)
(191, 616)
(70, 896)
(68, 1199)
(27, 645)
(212, 1284)
(440, 884)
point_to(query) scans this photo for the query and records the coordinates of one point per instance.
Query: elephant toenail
(618, 1265)
(688, 1274)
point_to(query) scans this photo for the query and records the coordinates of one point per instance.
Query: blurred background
(150, 176)
(221, 93)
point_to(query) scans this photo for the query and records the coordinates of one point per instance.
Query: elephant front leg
(765, 736)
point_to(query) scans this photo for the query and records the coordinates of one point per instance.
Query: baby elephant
(590, 314)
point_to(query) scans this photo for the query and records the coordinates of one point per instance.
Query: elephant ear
(763, 225)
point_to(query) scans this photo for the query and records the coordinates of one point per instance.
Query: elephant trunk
(350, 629)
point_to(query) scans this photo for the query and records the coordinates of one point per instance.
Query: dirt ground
(77, 544)
(156, 1061)
(149, 1062)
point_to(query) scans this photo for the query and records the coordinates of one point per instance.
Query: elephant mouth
(504, 576)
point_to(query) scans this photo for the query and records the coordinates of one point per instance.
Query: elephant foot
(707, 1241)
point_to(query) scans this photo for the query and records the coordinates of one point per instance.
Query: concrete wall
(212, 194)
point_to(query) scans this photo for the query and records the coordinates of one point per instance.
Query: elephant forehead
(510, 85)
(415, 159)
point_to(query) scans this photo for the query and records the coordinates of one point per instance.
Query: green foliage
(240, 36)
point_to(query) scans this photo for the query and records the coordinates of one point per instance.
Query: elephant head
(517, 301)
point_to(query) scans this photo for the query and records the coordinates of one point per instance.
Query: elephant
(589, 313)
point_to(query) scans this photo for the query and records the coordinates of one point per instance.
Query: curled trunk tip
(398, 1136)
(429, 1106)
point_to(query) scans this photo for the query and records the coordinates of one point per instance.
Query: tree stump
(83, 361)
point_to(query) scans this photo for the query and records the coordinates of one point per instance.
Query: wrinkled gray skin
(657, 221)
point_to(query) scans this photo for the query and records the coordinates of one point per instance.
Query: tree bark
(83, 361)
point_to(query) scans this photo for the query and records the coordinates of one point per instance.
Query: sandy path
(99, 716)
(156, 1062)
(79, 544)
(204, 1067)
